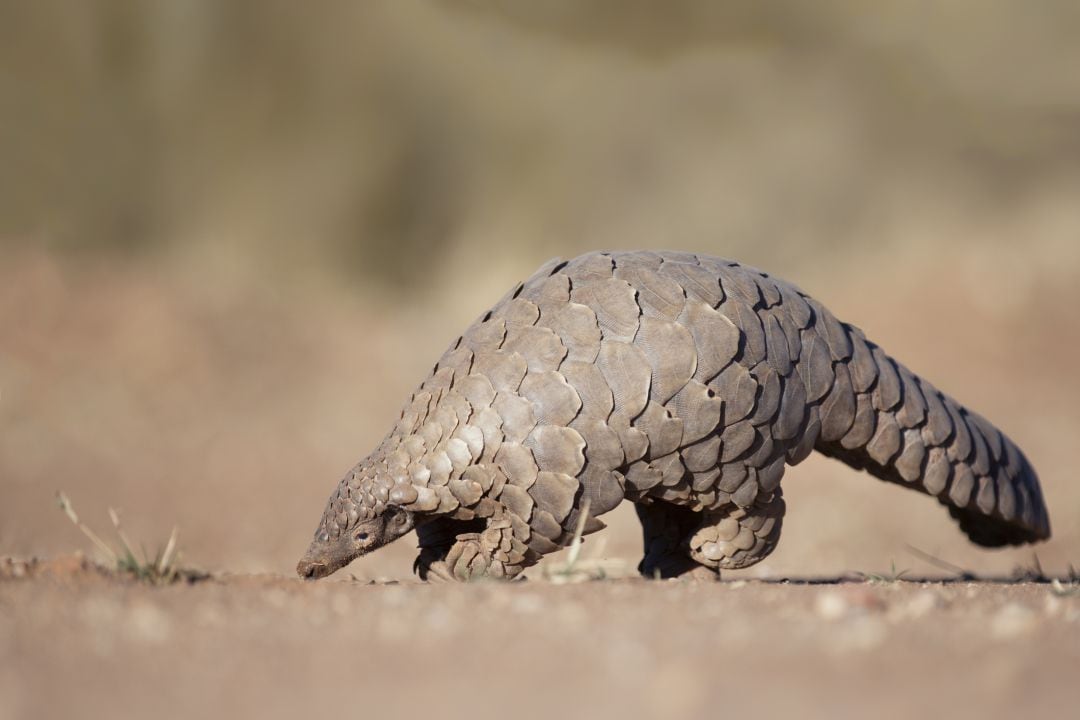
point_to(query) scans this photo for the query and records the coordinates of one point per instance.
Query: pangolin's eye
(361, 536)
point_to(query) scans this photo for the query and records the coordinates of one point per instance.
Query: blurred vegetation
(387, 139)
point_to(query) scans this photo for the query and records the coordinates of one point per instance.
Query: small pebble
(1012, 620)
(917, 607)
(831, 606)
(150, 624)
(527, 604)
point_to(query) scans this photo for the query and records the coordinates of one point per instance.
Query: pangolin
(682, 383)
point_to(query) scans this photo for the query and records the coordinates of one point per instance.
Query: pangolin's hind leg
(666, 530)
(453, 550)
(680, 542)
(735, 537)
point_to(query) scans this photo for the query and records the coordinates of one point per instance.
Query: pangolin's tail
(881, 417)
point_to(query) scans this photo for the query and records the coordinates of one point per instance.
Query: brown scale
(683, 383)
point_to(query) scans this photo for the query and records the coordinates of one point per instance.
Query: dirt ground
(74, 644)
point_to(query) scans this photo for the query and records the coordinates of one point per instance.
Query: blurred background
(235, 235)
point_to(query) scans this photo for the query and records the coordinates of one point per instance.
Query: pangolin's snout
(311, 569)
(322, 559)
(318, 562)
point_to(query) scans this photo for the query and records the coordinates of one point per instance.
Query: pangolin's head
(358, 519)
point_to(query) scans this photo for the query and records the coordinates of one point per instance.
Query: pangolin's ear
(399, 519)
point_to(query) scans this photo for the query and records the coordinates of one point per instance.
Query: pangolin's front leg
(436, 537)
(497, 550)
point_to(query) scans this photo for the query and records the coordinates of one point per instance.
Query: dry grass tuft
(577, 569)
(162, 569)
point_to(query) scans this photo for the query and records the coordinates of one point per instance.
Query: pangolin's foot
(740, 537)
(665, 529)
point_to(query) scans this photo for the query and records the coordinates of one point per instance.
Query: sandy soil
(76, 644)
